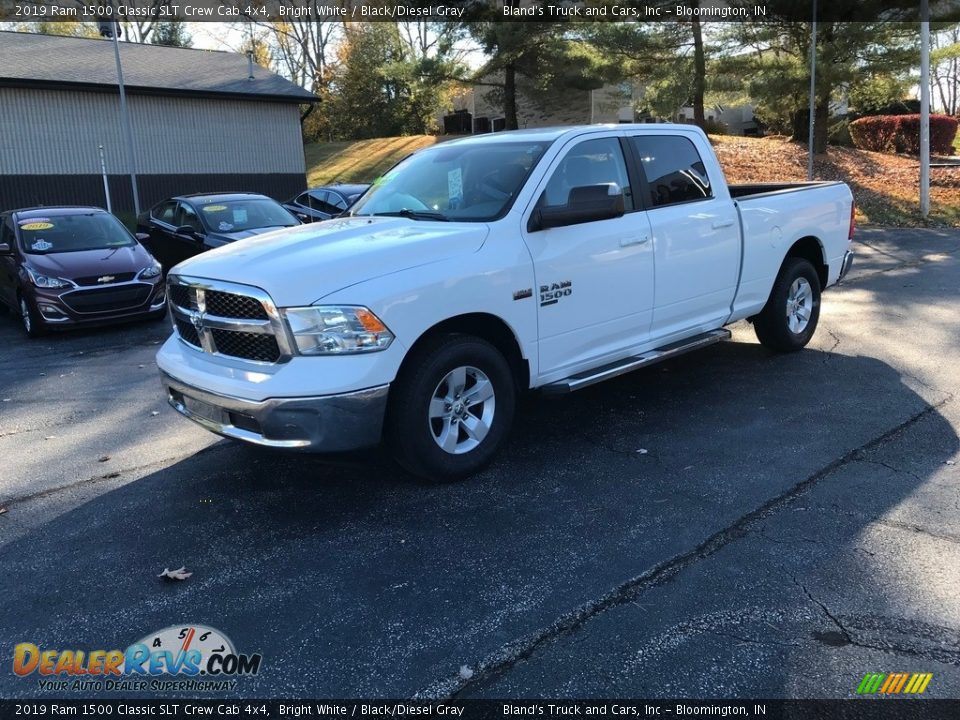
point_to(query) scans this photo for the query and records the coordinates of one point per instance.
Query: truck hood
(302, 264)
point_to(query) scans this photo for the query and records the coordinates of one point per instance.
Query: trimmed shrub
(901, 133)
(943, 129)
(875, 132)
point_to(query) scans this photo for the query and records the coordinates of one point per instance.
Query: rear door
(594, 280)
(696, 235)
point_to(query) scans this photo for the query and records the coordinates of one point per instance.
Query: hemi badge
(523, 294)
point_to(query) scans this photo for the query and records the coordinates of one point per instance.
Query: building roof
(32, 60)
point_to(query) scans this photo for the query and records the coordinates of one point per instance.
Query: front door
(594, 280)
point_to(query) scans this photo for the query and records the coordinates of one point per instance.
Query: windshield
(247, 214)
(454, 182)
(73, 233)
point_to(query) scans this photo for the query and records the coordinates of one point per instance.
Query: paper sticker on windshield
(239, 216)
(37, 226)
(455, 184)
(27, 221)
(224, 226)
(214, 208)
(41, 245)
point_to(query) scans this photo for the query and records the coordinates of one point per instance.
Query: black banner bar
(865, 709)
(474, 10)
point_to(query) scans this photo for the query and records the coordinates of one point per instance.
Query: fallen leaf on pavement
(642, 451)
(465, 672)
(2, 510)
(180, 574)
(154, 413)
(103, 458)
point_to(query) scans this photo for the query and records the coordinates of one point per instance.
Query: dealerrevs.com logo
(177, 658)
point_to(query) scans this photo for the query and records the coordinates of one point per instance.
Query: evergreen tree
(172, 34)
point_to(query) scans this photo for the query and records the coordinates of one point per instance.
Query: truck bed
(745, 190)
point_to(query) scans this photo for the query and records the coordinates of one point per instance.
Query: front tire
(450, 408)
(789, 319)
(30, 319)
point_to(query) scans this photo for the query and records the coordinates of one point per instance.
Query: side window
(674, 169)
(338, 203)
(303, 200)
(592, 162)
(186, 215)
(164, 212)
(324, 203)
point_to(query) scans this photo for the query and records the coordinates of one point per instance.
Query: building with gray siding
(200, 123)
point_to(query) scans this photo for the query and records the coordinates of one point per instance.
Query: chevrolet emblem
(106, 278)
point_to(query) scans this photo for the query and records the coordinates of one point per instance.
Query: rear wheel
(450, 408)
(30, 319)
(789, 319)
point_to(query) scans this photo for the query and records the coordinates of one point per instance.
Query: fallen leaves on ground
(886, 187)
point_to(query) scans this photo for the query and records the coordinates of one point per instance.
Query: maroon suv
(70, 266)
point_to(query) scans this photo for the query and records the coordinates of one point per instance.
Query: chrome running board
(621, 367)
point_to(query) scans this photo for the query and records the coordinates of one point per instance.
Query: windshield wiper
(414, 215)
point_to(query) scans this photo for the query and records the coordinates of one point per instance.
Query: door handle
(717, 224)
(635, 240)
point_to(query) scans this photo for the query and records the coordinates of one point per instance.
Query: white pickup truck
(547, 258)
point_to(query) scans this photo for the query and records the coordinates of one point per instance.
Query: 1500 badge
(551, 294)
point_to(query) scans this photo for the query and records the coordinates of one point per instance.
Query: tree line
(379, 79)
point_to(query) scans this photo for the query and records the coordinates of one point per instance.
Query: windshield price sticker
(36, 226)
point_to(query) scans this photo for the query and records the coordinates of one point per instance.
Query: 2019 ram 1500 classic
(547, 258)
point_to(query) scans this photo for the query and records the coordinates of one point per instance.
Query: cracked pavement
(793, 524)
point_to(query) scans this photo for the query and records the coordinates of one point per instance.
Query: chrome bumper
(847, 263)
(328, 423)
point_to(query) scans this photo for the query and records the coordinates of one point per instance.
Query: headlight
(150, 272)
(47, 282)
(336, 330)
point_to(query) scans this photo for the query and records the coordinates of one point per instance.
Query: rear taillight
(853, 220)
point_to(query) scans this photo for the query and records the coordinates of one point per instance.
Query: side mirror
(5, 248)
(587, 203)
(143, 237)
(189, 232)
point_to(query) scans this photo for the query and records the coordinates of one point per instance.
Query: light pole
(112, 29)
(813, 91)
(924, 108)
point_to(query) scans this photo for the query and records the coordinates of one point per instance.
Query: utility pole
(813, 90)
(112, 29)
(924, 108)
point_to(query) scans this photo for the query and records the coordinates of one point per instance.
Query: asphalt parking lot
(732, 523)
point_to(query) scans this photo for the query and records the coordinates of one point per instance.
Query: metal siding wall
(46, 132)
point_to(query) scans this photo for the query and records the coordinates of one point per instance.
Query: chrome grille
(188, 333)
(183, 295)
(246, 345)
(234, 306)
(229, 320)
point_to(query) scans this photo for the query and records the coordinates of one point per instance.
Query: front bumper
(328, 423)
(103, 304)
